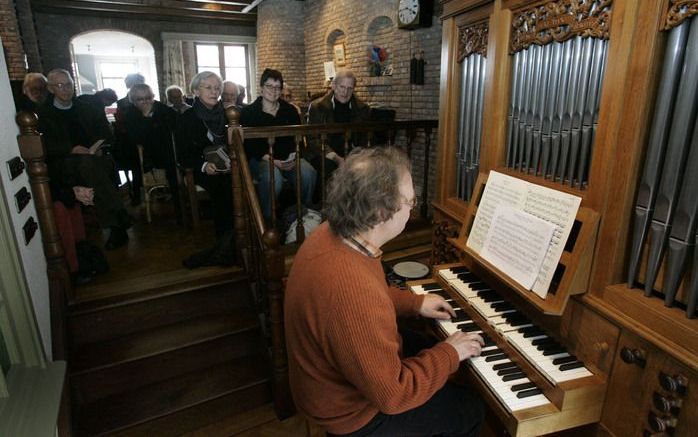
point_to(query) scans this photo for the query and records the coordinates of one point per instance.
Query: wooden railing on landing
(260, 244)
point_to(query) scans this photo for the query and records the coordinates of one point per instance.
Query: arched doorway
(103, 58)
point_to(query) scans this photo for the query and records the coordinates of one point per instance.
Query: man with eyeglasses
(350, 370)
(338, 106)
(150, 124)
(72, 134)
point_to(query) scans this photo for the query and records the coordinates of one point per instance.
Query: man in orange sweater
(348, 372)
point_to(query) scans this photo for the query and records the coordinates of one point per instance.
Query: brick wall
(54, 40)
(280, 42)
(11, 40)
(361, 24)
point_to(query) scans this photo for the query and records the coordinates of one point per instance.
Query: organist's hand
(435, 307)
(467, 345)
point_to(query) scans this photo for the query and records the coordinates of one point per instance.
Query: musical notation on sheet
(552, 206)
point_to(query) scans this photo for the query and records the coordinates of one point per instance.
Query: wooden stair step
(172, 395)
(115, 320)
(159, 340)
(236, 424)
(88, 386)
(195, 421)
(101, 294)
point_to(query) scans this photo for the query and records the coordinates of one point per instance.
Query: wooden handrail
(60, 286)
(333, 128)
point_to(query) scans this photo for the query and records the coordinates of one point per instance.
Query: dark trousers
(220, 189)
(453, 411)
(96, 172)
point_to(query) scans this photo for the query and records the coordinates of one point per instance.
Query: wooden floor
(154, 257)
(154, 253)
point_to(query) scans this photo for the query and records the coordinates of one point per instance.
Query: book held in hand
(218, 156)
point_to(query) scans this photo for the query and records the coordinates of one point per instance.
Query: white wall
(32, 255)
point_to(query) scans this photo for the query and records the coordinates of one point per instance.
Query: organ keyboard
(528, 378)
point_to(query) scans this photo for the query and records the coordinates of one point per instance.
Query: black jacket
(253, 116)
(154, 133)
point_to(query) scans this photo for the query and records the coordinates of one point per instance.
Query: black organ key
(554, 351)
(489, 296)
(487, 353)
(570, 366)
(501, 306)
(469, 327)
(513, 376)
(539, 341)
(459, 269)
(478, 286)
(518, 321)
(505, 372)
(524, 386)
(434, 286)
(535, 332)
(501, 366)
(441, 293)
(530, 392)
(461, 316)
(495, 358)
(548, 346)
(488, 341)
(467, 277)
(564, 360)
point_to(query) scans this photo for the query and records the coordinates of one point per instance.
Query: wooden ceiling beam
(126, 8)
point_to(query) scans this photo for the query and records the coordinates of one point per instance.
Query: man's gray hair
(341, 74)
(138, 88)
(60, 71)
(133, 79)
(365, 190)
(196, 80)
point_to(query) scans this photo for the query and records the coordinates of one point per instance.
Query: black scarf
(214, 120)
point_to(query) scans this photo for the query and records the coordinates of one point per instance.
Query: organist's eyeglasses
(410, 202)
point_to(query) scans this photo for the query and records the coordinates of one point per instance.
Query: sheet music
(501, 190)
(560, 209)
(517, 243)
(553, 206)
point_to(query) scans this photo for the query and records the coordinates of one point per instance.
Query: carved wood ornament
(679, 11)
(472, 39)
(559, 21)
(443, 252)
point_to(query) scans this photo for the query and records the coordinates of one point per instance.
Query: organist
(347, 369)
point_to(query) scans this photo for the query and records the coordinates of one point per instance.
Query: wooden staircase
(167, 360)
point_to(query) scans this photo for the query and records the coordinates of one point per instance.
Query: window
(113, 74)
(229, 61)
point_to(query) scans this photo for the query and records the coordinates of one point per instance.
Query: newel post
(60, 287)
(274, 258)
(239, 220)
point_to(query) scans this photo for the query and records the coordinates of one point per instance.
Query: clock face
(407, 11)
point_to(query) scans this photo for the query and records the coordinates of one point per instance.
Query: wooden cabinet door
(625, 406)
(649, 393)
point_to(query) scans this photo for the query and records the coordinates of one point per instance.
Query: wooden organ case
(506, 105)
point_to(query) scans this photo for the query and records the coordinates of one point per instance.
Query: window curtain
(174, 64)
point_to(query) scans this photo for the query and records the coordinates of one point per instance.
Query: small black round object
(627, 355)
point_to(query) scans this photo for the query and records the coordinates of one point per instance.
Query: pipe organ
(596, 98)
(472, 57)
